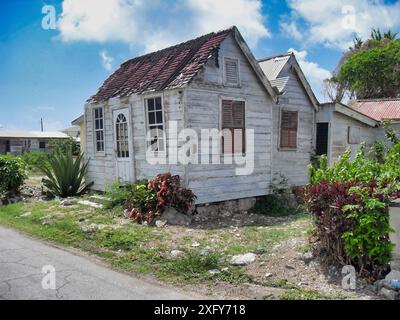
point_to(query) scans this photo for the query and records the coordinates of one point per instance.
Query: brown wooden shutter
(289, 124)
(227, 119)
(233, 119)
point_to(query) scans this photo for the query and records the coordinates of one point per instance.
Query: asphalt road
(76, 276)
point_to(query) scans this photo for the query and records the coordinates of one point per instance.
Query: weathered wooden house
(293, 118)
(211, 82)
(341, 127)
(19, 142)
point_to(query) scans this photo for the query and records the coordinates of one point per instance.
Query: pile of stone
(390, 286)
(26, 194)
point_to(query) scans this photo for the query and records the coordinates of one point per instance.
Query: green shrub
(12, 174)
(146, 200)
(64, 146)
(65, 175)
(35, 159)
(349, 201)
(117, 194)
(281, 202)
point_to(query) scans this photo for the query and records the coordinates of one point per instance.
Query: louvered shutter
(231, 71)
(227, 118)
(233, 124)
(288, 134)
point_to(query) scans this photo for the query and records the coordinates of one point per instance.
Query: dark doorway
(322, 138)
(8, 146)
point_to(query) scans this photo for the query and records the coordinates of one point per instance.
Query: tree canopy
(373, 73)
(369, 69)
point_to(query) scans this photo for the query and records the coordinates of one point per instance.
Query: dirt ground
(285, 266)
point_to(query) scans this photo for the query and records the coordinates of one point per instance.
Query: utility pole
(41, 124)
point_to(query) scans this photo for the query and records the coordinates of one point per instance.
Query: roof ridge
(280, 55)
(205, 36)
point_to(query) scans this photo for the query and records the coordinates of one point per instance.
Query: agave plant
(65, 175)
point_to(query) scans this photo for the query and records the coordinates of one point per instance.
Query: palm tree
(390, 35)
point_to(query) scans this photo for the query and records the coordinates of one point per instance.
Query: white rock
(205, 251)
(214, 271)
(393, 275)
(195, 244)
(390, 294)
(268, 275)
(26, 214)
(243, 259)
(176, 253)
(90, 204)
(161, 223)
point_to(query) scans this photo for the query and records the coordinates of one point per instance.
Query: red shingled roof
(378, 109)
(169, 68)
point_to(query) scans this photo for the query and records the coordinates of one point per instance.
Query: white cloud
(155, 24)
(211, 15)
(335, 22)
(99, 20)
(313, 72)
(291, 30)
(106, 60)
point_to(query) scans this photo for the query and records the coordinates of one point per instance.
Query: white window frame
(238, 84)
(101, 152)
(148, 125)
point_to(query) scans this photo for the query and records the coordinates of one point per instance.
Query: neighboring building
(74, 132)
(341, 127)
(18, 142)
(80, 122)
(211, 82)
(293, 118)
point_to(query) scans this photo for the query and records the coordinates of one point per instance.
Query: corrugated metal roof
(78, 120)
(378, 109)
(169, 68)
(273, 66)
(280, 83)
(33, 134)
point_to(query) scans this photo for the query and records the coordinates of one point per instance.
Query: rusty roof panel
(169, 68)
(378, 109)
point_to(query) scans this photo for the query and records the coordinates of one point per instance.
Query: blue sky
(50, 73)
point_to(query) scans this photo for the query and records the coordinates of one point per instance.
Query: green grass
(142, 249)
(307, 294)
(281, 283)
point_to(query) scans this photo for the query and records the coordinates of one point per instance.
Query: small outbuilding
(19, 142)
(341, 127)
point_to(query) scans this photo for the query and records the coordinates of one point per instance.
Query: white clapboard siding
(293, 163)
(219, 182)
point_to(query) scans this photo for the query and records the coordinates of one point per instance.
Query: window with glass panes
(99, 129)
(121, 130)
(155, 124)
